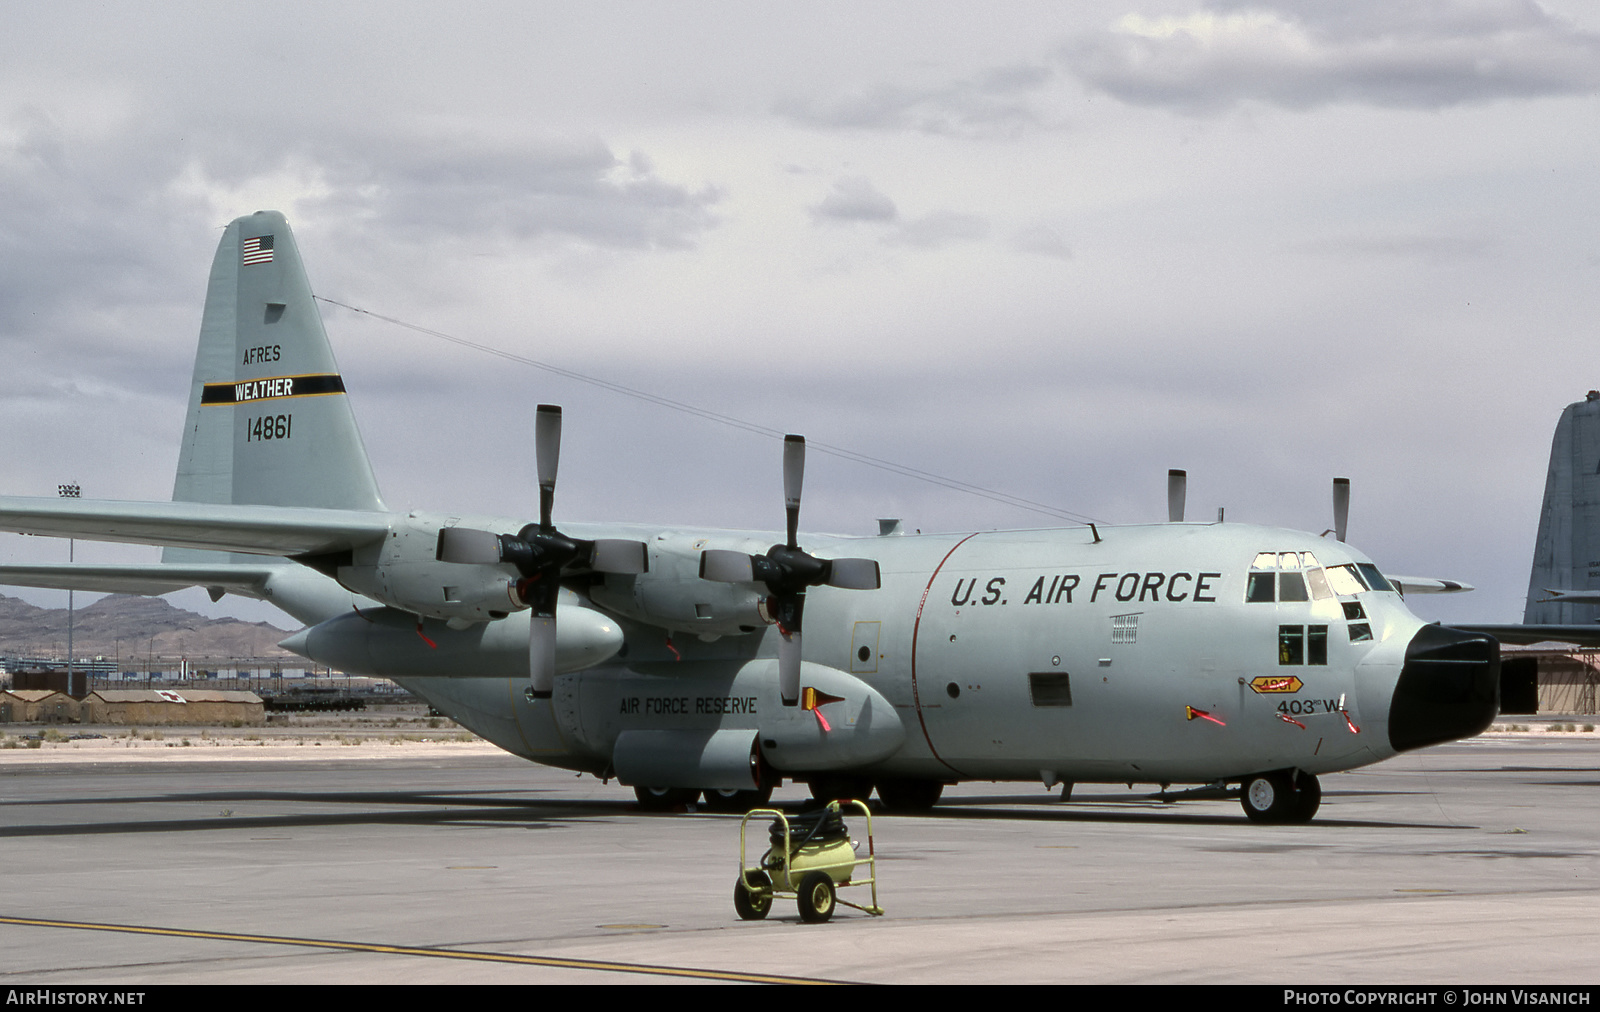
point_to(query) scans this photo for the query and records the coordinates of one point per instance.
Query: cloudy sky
(1046, 249)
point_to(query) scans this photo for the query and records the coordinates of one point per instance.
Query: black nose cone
(1449, 688)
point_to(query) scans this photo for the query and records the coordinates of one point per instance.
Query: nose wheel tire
(816, 897)
(1280, 797)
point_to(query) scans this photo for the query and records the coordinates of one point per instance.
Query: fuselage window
(1291, 644)
(1316, 644)
(1299, 644)
(1360, 632)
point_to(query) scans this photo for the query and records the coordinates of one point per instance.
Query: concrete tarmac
(1473, 863)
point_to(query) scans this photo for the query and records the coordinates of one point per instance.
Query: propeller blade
(724, 566)
(547, 446)
(463, 544)
(542, 655)
(789, 667)
(1177, 491)
(1341, 507)
(794, 474)
(616, 555)
(854, 574)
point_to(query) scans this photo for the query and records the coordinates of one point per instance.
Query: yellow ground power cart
(810, 857)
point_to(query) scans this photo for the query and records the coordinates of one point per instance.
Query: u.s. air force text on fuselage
(1124, 587)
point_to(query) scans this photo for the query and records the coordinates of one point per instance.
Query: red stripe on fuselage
(916, 697)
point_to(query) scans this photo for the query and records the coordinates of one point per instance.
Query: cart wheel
(752, 906)
(816, 897)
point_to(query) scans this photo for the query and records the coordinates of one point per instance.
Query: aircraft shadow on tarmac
(1146, 810)
(455, 808)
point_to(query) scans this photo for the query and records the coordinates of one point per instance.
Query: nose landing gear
(1282, 796)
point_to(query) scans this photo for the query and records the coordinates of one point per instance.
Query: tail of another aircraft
(268, 421)
(1567, 555)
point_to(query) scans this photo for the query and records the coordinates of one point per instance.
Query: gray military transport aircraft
(1563, 604)
(1208, 654)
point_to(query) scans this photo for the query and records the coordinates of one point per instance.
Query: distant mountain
(132, 627)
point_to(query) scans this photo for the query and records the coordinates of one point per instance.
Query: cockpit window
(1281, 576)
(1260, 588)
(1344, 580)
(1296, 576)
(1375, 579)
(1291, 587)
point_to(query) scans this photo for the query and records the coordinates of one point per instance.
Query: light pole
(70, 491)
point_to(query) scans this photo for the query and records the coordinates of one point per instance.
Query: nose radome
(1448, 689)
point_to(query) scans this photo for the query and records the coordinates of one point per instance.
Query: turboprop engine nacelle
(405, 573)
(673, 596)
(388, 643)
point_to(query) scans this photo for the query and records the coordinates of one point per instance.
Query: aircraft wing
(148, 579)
(1582, 635)
(258, 530)
(1427, 585)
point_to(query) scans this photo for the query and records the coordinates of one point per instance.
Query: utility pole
(70, 491)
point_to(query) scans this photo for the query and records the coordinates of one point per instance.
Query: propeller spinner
(540, 553)
(787, 571)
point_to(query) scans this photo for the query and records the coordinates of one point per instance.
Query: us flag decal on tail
(258, 250)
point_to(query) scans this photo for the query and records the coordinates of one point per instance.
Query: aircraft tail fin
(268, 421)
(1567, 553)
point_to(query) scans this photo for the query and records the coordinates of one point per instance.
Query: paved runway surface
(1471, 863)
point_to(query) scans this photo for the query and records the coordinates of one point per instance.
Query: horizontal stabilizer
(1572, 596)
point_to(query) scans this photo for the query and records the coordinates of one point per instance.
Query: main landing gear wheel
(1280, 797)
(738, 802)
(664, 799)
(752, 906)
(909, 795)
(826, 787)
(816, 897)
